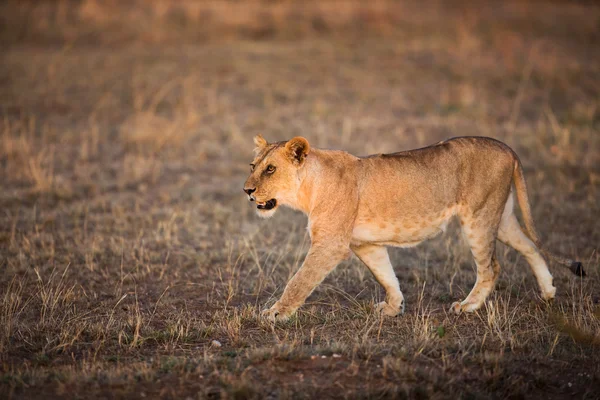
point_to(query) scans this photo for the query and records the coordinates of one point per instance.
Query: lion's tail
(575, 266)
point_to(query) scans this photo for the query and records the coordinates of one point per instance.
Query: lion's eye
(251, 167)
(270, 169)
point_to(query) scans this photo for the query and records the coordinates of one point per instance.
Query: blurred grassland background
(127, 246)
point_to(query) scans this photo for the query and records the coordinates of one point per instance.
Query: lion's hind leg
(511, 234)
(376, 258)
(482, 241)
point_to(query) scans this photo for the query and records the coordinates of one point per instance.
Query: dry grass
(132, 266)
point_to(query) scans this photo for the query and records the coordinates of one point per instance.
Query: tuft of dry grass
(132, 266)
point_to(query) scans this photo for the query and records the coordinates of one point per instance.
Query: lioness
(364, 204)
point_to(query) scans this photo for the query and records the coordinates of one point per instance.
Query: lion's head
(274, 175)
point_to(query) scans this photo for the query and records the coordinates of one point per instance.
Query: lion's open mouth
(269, 205)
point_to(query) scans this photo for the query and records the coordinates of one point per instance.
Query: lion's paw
(385, 309)
(277, 313)
(549, 293)
(458, 307)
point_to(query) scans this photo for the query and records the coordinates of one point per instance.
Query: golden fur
(362, 205)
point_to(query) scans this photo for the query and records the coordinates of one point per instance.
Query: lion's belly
(401, 232)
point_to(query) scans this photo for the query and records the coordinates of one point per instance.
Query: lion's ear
(297, 149)
(260, 143)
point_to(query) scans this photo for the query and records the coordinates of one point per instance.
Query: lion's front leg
(319, 262)
(376, 258)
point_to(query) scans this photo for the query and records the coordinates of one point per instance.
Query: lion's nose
(249, 191)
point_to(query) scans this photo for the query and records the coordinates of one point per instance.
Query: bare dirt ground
(132, 265)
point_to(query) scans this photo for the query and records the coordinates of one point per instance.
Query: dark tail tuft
(577, 269)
